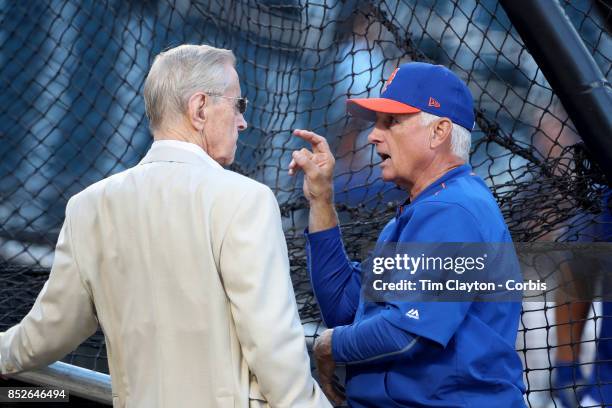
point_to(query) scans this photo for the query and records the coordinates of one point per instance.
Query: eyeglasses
(241, 102)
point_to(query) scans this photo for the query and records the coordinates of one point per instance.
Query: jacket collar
(176, 152)
(440, 183)
(435, 187)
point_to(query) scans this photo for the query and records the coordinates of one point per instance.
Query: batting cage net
(72, 113)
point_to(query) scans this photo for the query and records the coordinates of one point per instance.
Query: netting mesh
(71, 113)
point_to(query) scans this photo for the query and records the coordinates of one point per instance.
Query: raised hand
(317, 165)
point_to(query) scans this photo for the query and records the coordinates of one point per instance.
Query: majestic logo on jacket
(413, 314)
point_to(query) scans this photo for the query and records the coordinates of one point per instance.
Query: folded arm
(374, 340)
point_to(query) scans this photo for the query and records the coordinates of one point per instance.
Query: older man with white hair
(182, 263)
(412, 353)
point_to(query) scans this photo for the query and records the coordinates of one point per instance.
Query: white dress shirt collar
(193, 148)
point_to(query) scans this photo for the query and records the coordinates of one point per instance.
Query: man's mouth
(384, 156)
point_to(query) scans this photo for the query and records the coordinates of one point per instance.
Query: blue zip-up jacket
(456, 354)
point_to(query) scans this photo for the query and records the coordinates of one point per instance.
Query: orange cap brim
(366, 108)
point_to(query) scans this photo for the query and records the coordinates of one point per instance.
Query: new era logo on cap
(433, 102)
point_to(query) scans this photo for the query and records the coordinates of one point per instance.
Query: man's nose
(375, 136)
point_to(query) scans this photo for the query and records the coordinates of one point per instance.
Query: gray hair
(461, 138)
(179, 72)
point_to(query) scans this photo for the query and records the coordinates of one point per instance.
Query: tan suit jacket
(184, 266)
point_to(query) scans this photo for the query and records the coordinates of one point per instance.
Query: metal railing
(95, 386)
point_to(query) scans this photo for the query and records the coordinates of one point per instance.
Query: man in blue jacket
(412, 354)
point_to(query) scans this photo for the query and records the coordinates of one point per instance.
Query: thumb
(304, 162)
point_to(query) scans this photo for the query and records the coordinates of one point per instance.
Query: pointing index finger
(318, 142)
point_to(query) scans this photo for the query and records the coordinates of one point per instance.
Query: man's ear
(196, 110)
(441, 132)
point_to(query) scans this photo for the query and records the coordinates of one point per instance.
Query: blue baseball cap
(420, 87)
